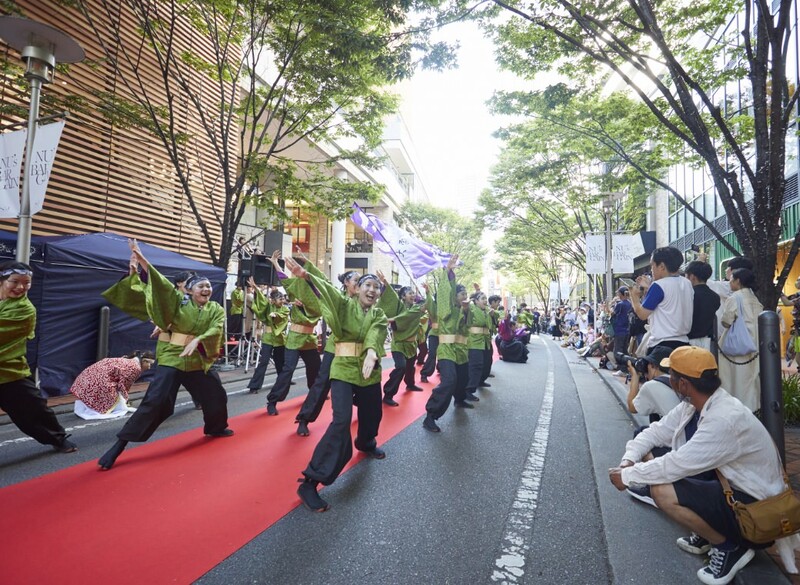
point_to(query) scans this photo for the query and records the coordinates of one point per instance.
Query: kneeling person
(729, 438)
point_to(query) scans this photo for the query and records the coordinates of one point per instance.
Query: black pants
(158, 403)
(278, 355)
(475, 369)
(452, 384)
(318, 392)
(621, 348)
(422, 353)
(27, 409)
(403, 370)
(310, 358)
(430, 362)
(335, 448)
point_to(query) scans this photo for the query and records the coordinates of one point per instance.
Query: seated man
(655, 397)
(727, 437)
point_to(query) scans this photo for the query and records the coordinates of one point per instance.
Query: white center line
(510, 565)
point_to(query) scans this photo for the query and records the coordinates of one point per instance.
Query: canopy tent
(70, 272)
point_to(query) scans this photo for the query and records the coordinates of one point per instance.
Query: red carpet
(169, 510)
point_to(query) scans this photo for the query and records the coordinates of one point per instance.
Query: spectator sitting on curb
(727, 437)
(655, 397)
(667, 302)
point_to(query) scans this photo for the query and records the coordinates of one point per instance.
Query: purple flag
(417, 256)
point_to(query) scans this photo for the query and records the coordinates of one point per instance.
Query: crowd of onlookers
(670, 334)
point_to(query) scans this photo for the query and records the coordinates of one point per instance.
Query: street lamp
(39, 45)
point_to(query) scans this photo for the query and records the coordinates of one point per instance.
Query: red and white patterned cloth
(100, 385)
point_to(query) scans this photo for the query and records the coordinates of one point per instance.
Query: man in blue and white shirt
(668, 300)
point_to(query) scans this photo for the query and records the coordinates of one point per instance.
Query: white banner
(12, 144)
(553, 292)
(45, 144)
(625, 247)
(595, 254)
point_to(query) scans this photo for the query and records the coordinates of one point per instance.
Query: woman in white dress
(740, 374)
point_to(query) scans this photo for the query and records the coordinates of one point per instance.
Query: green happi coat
(406, 322)
(350, 323)
(237, 302)
(430, 307)
(479, 318)
(452, 321)
(524, 318)
(17, 325)
(496, 315)
(128, 296)
(306, 315)
(275, 319)
(330, 342)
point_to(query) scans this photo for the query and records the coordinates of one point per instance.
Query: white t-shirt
(672, 301)
(655, 397)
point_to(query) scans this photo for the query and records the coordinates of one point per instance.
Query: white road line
(510, 565)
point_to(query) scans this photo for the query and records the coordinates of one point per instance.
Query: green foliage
(450, 232)
(288, 74)
(791, 399)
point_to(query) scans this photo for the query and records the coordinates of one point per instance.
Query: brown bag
(765, 520)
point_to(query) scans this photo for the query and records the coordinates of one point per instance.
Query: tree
(558, 164)
(450, 232)
(653, 48)
(264, 80)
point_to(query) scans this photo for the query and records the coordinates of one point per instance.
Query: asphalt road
(514, 491)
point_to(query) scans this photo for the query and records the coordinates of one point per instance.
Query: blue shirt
(621, 311)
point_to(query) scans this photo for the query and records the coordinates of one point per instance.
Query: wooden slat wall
(113, 179)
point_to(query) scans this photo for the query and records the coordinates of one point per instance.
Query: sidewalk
(792, 440)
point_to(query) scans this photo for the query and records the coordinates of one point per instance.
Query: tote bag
(738, 340)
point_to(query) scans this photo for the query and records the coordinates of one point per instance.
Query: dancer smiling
(360, 331)
(196, 333)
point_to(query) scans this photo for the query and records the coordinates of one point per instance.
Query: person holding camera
(667, 302)
(655, 397)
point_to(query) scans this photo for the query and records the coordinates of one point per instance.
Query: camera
(639, 364)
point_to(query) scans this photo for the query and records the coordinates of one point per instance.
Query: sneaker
(694, 544)
(376, 453)
(462, 404)
(642, 493)
(472, 398)
(390, 402)
(302, 428)
(272, 410)
(620, 374)
(310, 498)
(413, 388)
(484, 385)
(429, 424)
(724, 564)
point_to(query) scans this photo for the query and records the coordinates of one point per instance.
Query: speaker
(245, 271)
(262, 270)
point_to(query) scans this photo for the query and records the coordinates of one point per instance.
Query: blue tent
(70, 272)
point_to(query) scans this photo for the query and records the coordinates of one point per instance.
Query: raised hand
(452, 262)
